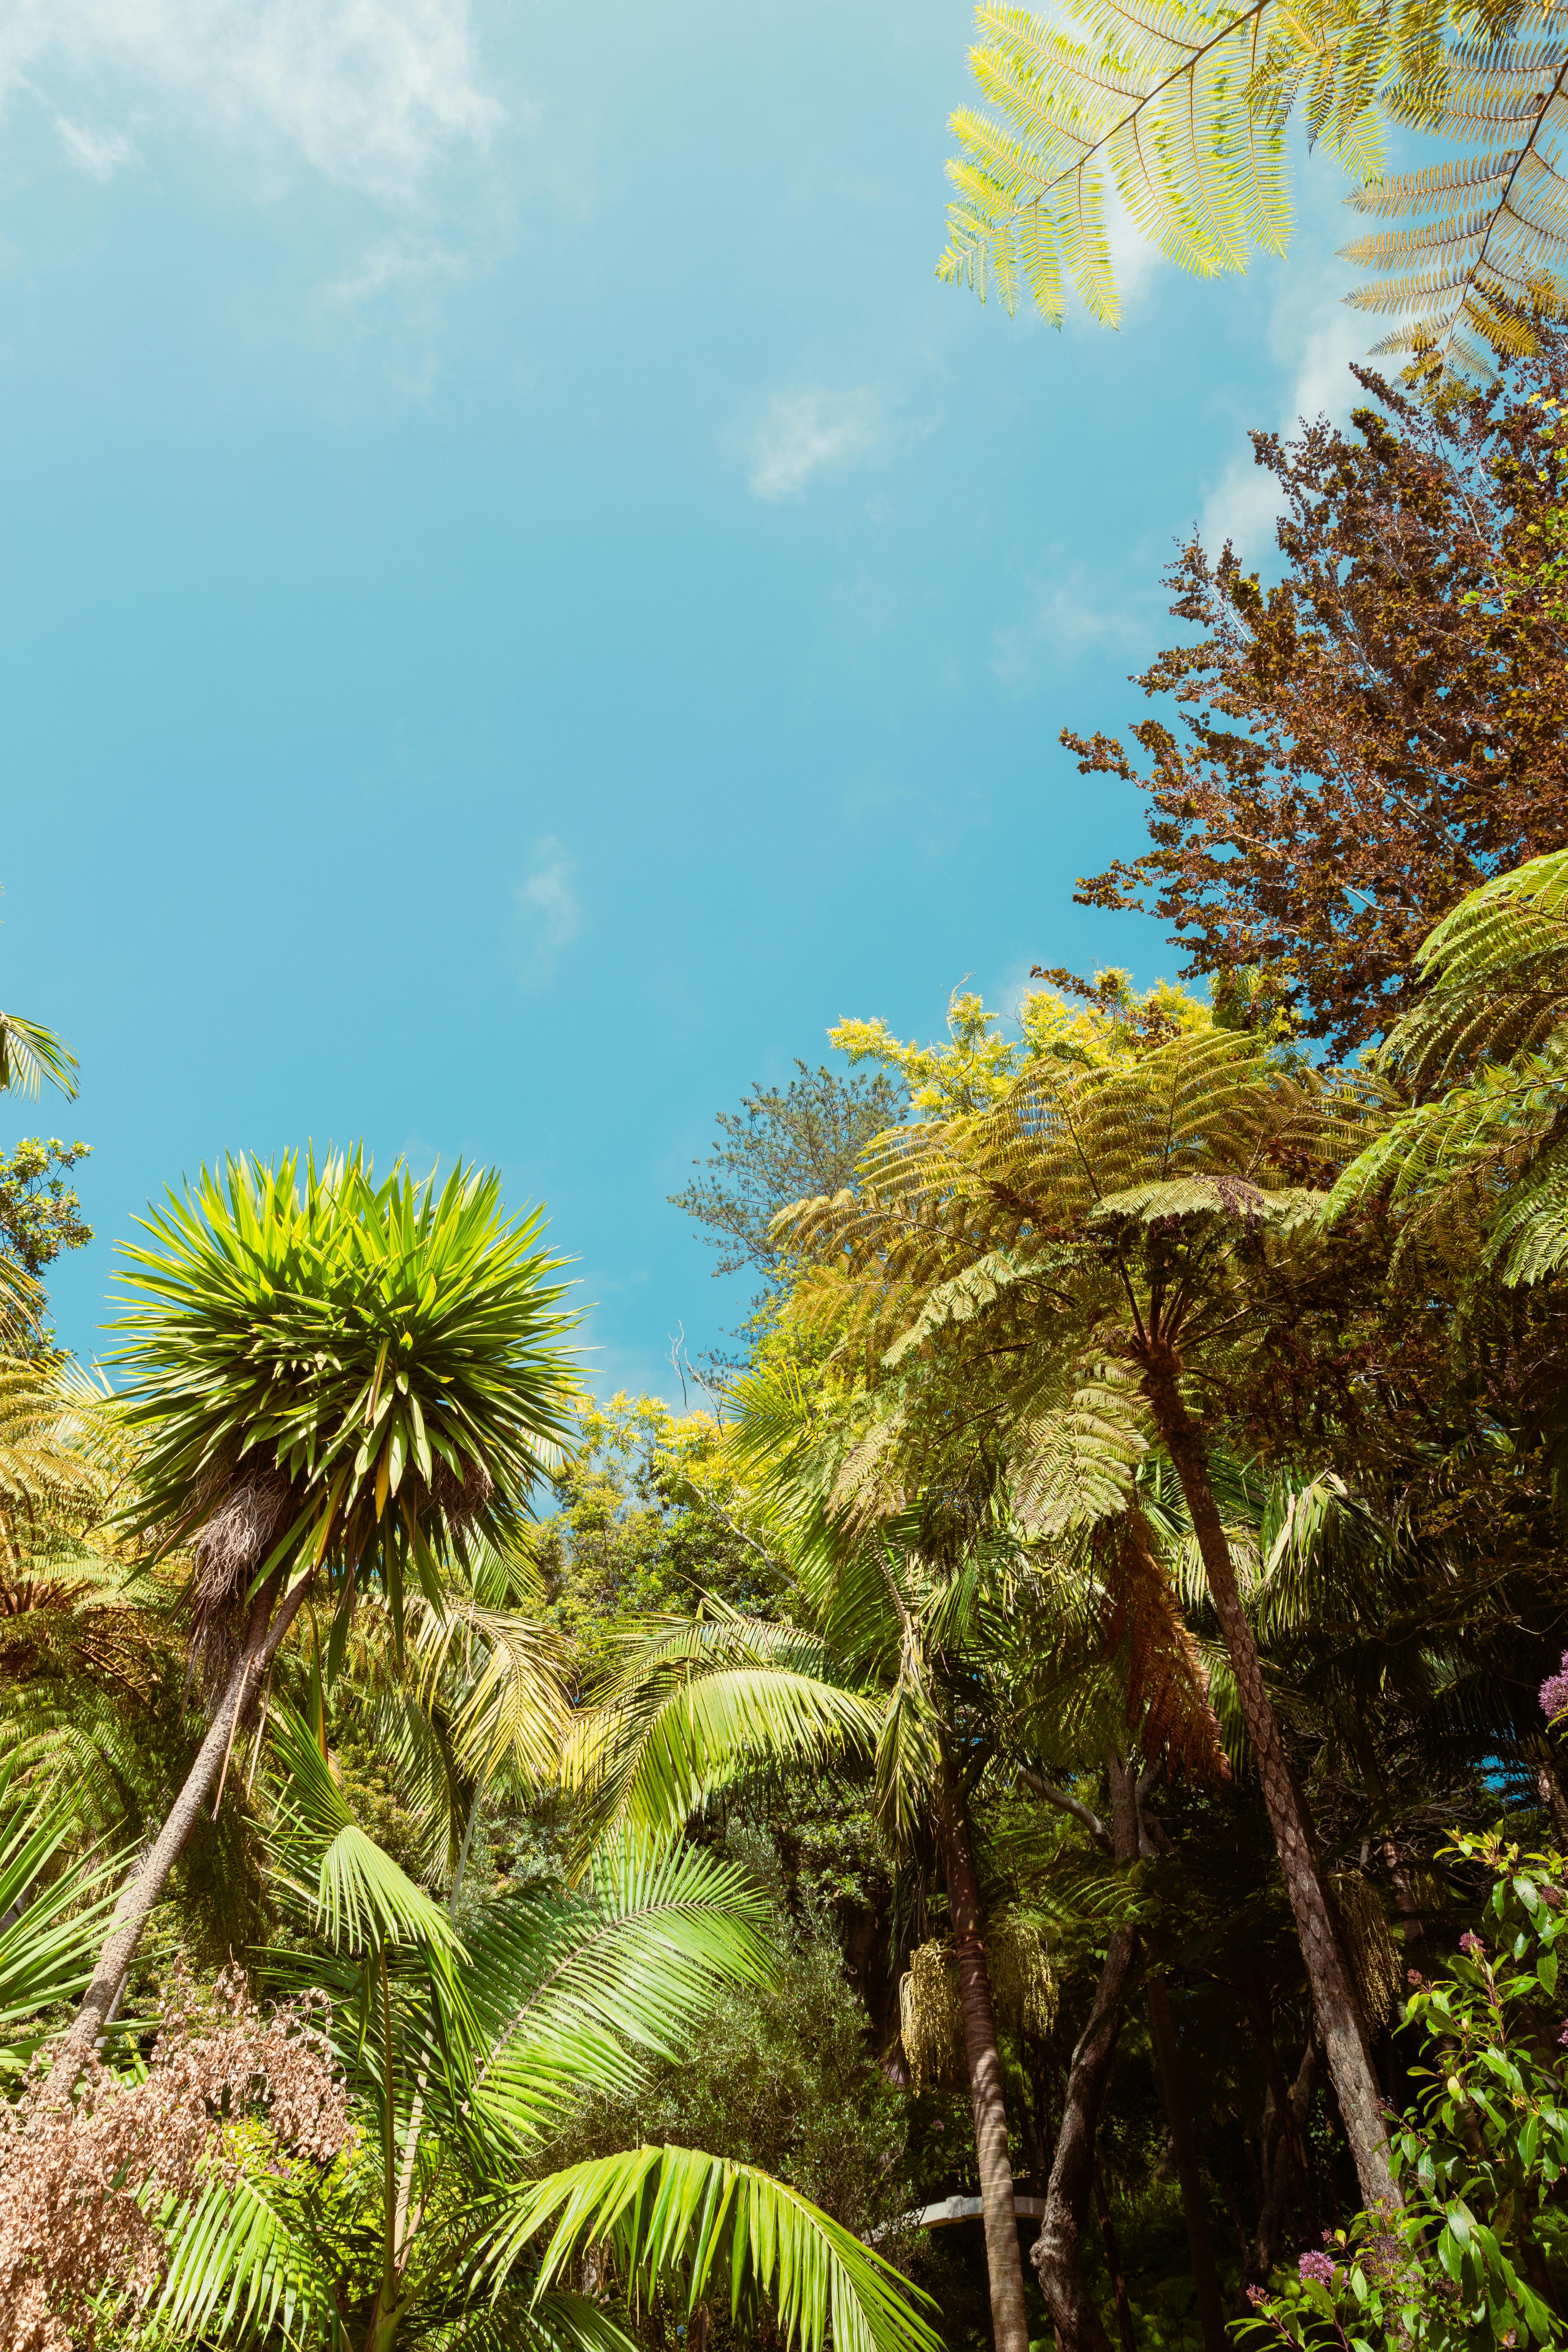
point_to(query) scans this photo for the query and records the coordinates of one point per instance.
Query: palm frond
(688, 2225)
(700, 1705)
(29, 1053)
(240, 2270)
(47, 1948)
(573, 1993)
(362, 1897)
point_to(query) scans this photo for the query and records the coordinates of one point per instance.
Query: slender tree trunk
(1339, 2020)
(1549, 1788)
(1009, 2321)
(1057, 2253)
(1124, 2326)
(1189, 2172)
(1412, 1926)
(143, 1888)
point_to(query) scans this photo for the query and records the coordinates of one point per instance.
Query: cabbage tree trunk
(1004, 2263)
(143, 1889)
(1334, 2001)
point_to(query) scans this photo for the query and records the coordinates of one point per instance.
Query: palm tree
(335, 1383)
(464, 2053)
(1086, 1255)
(894, 1673)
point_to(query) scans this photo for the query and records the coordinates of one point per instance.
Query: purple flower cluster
(1313, 2265)
(1554, 1690)
(1471, 1943)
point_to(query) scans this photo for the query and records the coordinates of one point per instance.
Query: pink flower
(1554, 1691)
(1471, 1943)
(1313, 2265)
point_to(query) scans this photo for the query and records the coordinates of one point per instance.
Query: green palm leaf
(577, 1992)
(691, 2225)
(47, 1951)
(238, 2270)
(362, 1899)
(701, 1704)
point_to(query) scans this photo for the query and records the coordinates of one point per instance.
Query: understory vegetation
(1031, 1811)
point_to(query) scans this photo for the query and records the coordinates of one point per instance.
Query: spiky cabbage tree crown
(338, 1371)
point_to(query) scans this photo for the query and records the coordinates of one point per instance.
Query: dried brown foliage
(1370, 739)
(82, 2186)
(1168, 1702)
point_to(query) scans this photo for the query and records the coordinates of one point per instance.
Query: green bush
(1479, 2257)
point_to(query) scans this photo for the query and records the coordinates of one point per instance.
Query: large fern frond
(1151, 100)
(1483, 242)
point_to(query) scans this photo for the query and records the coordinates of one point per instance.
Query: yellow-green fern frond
(1493, 250)
(1151, 100)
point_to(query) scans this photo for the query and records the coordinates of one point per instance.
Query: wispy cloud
(100, 154)
(1313, 333)
(549, 915)
(1062, 619)
(397, 262)
(805, 432)
(374, 95)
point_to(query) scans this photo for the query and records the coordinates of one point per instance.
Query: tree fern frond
(1154, 99)
(1510, 258)
(1072, 1463)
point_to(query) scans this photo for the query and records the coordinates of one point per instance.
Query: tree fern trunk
(142, 1892)
(1057, 2253)
(1334, 1998)
(1009, 2322)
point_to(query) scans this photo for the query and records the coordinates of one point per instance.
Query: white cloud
(371, 94)
(1063, 619)
(99, 153)
(804, 431)
(1135, 259)
(398, 261)
(1317, 336)
(548, 913)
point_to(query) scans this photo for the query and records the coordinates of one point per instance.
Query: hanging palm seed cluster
(930, 2019)
(1370, 1947)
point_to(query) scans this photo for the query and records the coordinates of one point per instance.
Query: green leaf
(684, 2223)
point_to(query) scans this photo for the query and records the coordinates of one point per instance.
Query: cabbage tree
(334, 1383)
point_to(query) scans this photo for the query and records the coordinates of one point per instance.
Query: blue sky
(523, 599)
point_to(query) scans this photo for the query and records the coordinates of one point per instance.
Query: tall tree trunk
(1124, 2326)
(1189, 2172)
(1339, 2018)
(142, 1890)
(1549, 1788)
(1057, 2253)
(1009, 2321)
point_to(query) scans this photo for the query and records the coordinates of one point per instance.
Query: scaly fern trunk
(1009, 2321)
(142, 1892)
(1333, 1991)
(1057, 2253)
